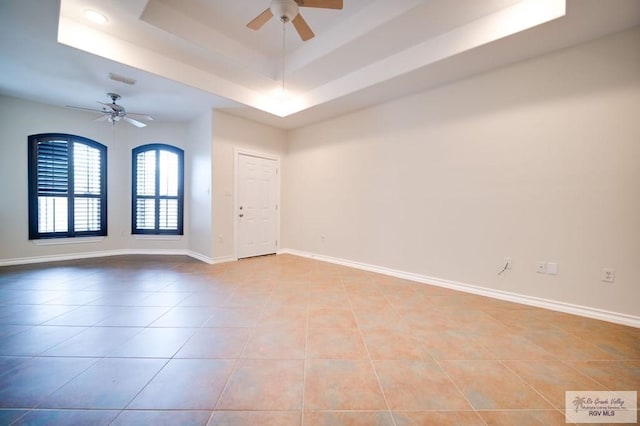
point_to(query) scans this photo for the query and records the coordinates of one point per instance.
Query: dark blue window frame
(51, 171)
(156, 198)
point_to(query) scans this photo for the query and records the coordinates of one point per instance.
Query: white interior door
(257, 207)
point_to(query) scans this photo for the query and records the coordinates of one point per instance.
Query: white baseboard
(109, 253)
(62, 257)
(210, 260)
(200, 257)
(584, 311)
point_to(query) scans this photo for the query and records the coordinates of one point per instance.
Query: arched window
(67, 186)
(158, 186)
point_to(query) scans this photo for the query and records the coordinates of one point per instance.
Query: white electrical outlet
(608, 275)
(541, 267)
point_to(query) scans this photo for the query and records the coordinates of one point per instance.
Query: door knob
(241, 215)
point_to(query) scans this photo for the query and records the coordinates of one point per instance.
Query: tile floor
(282, 340)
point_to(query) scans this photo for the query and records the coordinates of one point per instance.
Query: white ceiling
(188, 56)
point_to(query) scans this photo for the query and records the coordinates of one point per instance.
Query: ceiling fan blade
(260, 20)
(101, 118)
(84, 109)
(140, 116)
(134, 122)
(302, 28)
(324, 4)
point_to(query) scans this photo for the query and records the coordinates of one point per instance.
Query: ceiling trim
(262, 95)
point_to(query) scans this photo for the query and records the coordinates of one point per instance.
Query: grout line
(373, 366)
(238, 360)
(503, 363)
(306, 344)
(437, 362)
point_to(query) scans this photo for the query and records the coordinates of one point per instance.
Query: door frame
(237, 152)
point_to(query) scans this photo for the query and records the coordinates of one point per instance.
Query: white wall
(198, 197)
(18, 120)
(537, 161)
(229, 133)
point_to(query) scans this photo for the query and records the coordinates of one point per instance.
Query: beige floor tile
(225, 343)
(392, 344)
(437, 418)
(405, 299)
(523, 418)
(511, 346)
(336, 343)
(283, 317)
(262, 418)
(453, 345)
(621, 345)
(421, 320)
(377, 318)
(614, 375)
(524, 319)
(369, 301)
(192, 384)
(329, 299)
(233, 317)
(490, 385)
(347, 418)
(264, 385)
(552, 379)
(341, 385)
(566, 346)
(246, 298)
(360, 287)
(292, 298)
(418, 385)
(331, 318)
(276, 343)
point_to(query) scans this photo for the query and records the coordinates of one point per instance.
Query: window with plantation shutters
(67, 186)
(157, 203)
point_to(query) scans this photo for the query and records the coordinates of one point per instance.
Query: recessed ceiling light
(95, 17)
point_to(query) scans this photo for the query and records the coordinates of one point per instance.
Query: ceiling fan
(112, 112)
(287, 10)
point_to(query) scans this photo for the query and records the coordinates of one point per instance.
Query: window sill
(74, 240)
(157, 237)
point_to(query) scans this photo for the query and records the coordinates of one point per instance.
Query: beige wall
(198, 197)
(537, 161)
(230, 133)
(18, 120)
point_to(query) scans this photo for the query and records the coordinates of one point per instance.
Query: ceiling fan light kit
(285, 10)
(288, 11)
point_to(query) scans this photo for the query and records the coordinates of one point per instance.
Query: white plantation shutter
(157, 187)
(52, 185)
(87, 174)
(146, 187)
(67, 186)
(146, 213)
(168, 214)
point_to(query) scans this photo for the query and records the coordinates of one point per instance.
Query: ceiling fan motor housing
(117, 111)
(285, 10)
